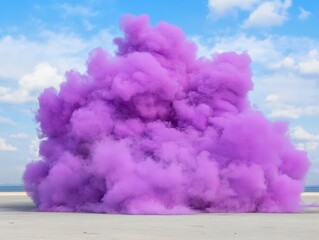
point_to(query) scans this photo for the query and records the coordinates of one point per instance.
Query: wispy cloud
(268, 14)
(284, 87)
(299, 133)
(262, 14)
(34, 147)
(7, 121)
(262, 50)
(77, 10)
(222, 7)
(49, 58)
(305, 140)
(19, 136)
(310, 65)
(303, 15)
(4, 146)
(293, 112)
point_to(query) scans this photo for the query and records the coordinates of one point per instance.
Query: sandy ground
(19, 220)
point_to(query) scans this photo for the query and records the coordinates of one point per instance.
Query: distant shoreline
(20, 188)
(306, 194)
(12, 188)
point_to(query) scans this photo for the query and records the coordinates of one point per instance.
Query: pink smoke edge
(157, 130)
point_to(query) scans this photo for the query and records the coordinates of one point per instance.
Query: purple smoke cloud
(156, 130)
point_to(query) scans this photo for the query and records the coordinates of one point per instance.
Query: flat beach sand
(20, 220)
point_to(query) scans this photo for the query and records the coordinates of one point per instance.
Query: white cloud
(302, 63)
(264, 51)
(303, 15)
(62, 51)
(307, 146)
(4, 146)
(9, 95)
(301, 134)
(268, 14)
(279, 89)
(50, 57)
(262, 14)
(312, 145)
(293, 112)
(34, 147)
(287, 62)
(19, 136)
(43, 76)
(287, 95)
(313, 53)
(272, 98)
(283, 93)
(7, 121)
(305, 141)
(310, 65)
(221, 7)
(30, 85)
(276, 51)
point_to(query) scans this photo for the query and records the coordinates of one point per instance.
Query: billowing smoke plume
(154, 129)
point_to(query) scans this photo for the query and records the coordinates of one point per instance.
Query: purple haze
(156, 130)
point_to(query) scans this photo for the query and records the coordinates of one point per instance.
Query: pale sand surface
(19, 220)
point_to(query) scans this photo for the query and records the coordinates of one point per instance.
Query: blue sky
(40, 40)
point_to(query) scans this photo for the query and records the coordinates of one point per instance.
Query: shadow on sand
(17, 208)
(16, 204)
